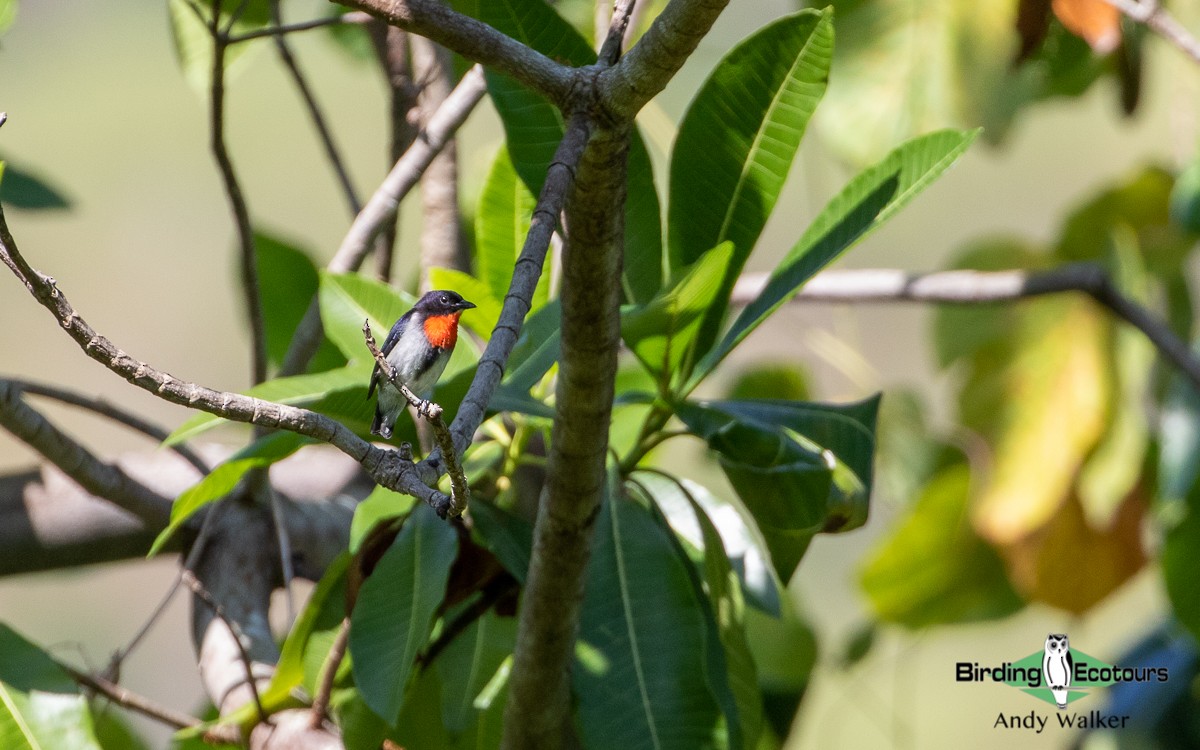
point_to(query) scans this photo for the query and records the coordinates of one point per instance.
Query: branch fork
(431, 412)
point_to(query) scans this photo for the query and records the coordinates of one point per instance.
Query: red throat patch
(442, 330)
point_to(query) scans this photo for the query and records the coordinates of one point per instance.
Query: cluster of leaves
(670, 556)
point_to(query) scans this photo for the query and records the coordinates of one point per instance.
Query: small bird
(418, 347)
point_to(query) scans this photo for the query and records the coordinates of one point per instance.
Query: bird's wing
(388, 345)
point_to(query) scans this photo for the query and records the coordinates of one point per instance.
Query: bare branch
(982, 287)
(645, 70)
(1157, 19)
(384, 466)
(526, 271)
(237, 202)
(476, 41)
(460, 494)
(94, 475)
(279, 29)
(314, 113)
(125, 697)
(537, 713)
(383, 204)
(189, 579)
(105, 409)
(327, 675)
(391, 48)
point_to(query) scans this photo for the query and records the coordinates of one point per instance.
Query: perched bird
(418, 347)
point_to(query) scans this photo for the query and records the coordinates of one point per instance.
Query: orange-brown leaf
(1095, 21)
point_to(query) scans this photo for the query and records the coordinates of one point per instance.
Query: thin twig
(392, 51)
(610, 51)
(384, 466)
(133, 701)
(237, 202)
(460, 492)
(356, 18)
(97, 477)
(314, 113)
(981, 287)
(1157, 19)
(105, 409)
(383, 204)
(327, 675)
(192, 582)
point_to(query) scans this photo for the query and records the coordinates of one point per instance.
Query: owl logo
(1057, 667)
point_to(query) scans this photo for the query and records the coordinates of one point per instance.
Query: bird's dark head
(442, 302)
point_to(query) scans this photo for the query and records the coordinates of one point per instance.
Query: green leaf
(395, 609)
(361, 728)
(381, 506)
(469, 663)
(533, 129)
(193, 39)
(501, 222)
(221, 480)
(507, 536)
(537, 350)
(731, 674)
(736, 145)
(40, 706)
(8, 14)
(113, 732)
(663, 333)
(287, 283)
(23, 189)
(646, 687)
(870, 199)
(737, 140)
(934, 569)
(298, 390)
(347, 300)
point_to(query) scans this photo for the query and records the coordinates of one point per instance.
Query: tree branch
(391, 48)
(105, 409)
(314, 113)
(383, 204)
(645, 70)
(537, 713)
(355, 19)
(384, 466)
(97, 477)
(237, 202)
(1157, 19)
(125, 697)
(982, 287)
(476, 41)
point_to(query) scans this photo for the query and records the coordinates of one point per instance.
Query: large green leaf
(506, 535)
(40, 706)
(221, 480)
(731, 674)
(934, 569)
(870, 199)
(736, 143)
(469, 663)
(663, 333)
(395, 609)
(501, 222)
(287, 282)
(381, 506)
(533, 128)
(347, 300)
(645, 686)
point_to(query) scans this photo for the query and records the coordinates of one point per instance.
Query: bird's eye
(445, 299)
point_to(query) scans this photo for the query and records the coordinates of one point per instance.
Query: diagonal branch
(94, 475)
(103, 408)
(383, 204)
(248, 260)
(476, 41)
(277, 29)
(384, 466)
(645, 70)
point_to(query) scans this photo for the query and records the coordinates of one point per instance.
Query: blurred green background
(99, 108)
